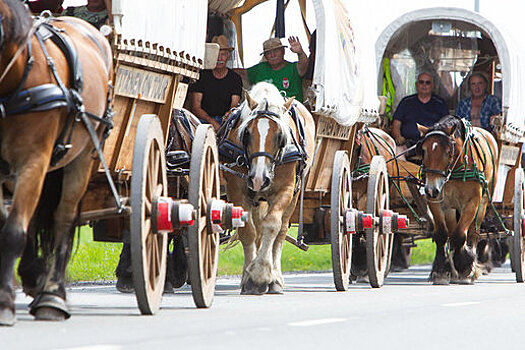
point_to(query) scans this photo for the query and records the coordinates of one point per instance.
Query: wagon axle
(224, 216)
(388, 221)
(172, 214)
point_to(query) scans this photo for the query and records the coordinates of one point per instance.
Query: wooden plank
(321, 172)
(125, 156)
(122, 107)
(150, 86)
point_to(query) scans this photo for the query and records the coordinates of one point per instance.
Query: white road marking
(316, 322)
(96, 347)
(465, 303)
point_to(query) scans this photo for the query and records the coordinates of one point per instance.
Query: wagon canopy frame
(508, 52)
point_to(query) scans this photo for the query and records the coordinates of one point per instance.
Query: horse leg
(50, 304)
(463, 255)
(13, 234)
(440, 274)
(277, 284)
(248, 237)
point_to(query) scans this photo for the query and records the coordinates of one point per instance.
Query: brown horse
(370, 142)
(266, 132)
(460, 167)
(53, 74)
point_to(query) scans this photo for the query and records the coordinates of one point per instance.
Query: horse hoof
(250, 288)
(464, 281)
(125, 284)
(439, 279)
(7, 317)
(441, 282)
(49, 307)
(50, 314)
(275, 288)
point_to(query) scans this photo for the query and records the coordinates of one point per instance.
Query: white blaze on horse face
(263, 126)
(434, 146)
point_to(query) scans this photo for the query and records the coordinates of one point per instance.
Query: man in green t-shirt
(286, 76)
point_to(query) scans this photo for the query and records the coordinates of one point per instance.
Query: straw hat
(270, 44)
(223, 42)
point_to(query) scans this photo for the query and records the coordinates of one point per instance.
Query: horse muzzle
(259, 183)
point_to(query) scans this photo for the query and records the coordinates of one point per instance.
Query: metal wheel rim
(204, 185)
(518, 240)
(341, 199)
(378, 246)
(148, 249)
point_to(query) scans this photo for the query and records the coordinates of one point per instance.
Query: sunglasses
(424, 82)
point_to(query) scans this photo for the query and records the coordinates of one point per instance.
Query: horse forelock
(16, 21)
(450, 121)
(268, 98)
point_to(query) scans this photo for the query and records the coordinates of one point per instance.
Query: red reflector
(402, 221)
(164, 215)
(367, 221)
(237, 212)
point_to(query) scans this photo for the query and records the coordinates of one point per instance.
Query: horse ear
(422, 129)
(451, 130)
(288, 103)
(251, 102)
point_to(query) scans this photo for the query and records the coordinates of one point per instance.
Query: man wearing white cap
(286, 76)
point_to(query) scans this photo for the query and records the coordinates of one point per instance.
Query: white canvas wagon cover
(343, 81)
(179, 25)
(509, 51)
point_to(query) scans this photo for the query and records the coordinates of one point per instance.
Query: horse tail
(43, 219)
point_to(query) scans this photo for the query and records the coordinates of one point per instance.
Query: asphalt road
(406, 313)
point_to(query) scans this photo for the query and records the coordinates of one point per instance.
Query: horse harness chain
(233, 155)
(50, 96)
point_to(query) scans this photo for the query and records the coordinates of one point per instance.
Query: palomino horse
(44, 94)
(267, 131)
(460, 167)
(370, 142)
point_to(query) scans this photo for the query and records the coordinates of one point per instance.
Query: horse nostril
(266, 182)
(431, 192)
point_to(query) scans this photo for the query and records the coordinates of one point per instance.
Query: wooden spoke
(148, 182)
(378, 244)
(340, 202)
(204, 186)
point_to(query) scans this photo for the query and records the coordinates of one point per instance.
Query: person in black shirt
(218, 90)
(422, 108)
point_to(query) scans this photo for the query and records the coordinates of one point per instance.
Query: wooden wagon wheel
(518, 249)
(341, 199)
(378, 244)
(149, 181)
(203, 255)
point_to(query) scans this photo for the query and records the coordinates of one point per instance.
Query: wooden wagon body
(157, 54)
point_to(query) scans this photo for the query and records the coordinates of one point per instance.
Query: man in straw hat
(286, 76)
(218, 90)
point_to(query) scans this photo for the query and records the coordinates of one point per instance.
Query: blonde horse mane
(268, 98)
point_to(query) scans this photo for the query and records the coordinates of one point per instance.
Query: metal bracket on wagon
(357, 221)
(390, 221)
(224, 216)
(171, 214)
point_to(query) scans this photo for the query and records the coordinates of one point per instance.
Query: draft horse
(275, 144)
(370, 142)
(54, 98)
(459, 167)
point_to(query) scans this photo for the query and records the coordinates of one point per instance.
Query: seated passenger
(218, 90)
(422, 108)
(286, 76)
(95, 12)
(480, 107)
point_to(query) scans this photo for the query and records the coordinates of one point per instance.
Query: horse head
(264, 133)
(439, 151)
